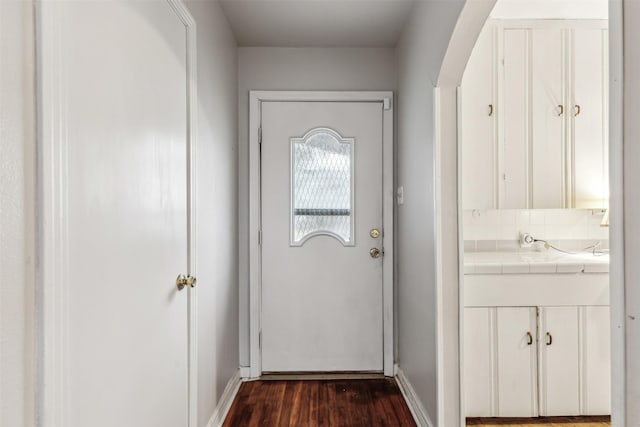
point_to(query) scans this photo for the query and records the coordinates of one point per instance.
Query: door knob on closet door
(375, 253)
(182, 281)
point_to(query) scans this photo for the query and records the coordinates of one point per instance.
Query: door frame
(256, 98)
(52, 194)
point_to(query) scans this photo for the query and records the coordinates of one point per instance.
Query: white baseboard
(226, 400)
(245, 372)
(420, 415)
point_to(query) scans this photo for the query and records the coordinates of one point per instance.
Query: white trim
(245, 372)
(192, 130)
(617, 286)
(52, 144)
(224, 404)
(437, 142)
(255, 262)
(461, 348)
(418, 411)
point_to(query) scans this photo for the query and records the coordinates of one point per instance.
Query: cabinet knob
(577, 110)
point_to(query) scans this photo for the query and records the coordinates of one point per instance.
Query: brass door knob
(182, 281)
(375, 253)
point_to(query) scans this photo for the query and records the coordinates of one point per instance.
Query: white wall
(17, 209)
(421, 52)
(217, 201)
(295, 69)
(499, 229)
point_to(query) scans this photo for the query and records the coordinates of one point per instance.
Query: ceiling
(317, 23)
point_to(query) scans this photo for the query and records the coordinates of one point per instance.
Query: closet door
(114, 99)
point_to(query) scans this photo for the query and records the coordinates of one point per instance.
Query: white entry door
(116, 214)
(322, 293)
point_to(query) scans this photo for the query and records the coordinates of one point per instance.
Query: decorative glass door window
(322, 186)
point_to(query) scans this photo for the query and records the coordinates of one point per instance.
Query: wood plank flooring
(541, 422)
(315, 403)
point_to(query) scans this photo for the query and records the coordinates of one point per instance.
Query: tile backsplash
(490, 230)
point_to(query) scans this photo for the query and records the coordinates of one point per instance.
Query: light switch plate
(400, 195)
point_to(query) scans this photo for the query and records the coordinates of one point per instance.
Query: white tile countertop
(547, 262)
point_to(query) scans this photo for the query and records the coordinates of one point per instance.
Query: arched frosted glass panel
(322, 186)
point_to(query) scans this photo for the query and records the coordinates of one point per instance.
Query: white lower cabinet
(531, 361)
(516, 362)
(558, 350)
(595, 350)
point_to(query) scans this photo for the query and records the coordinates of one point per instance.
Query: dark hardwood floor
(311, 403)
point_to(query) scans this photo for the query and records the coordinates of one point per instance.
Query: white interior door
(321, 198)
(124, 328)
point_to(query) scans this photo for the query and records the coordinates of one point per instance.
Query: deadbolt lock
(375, 253)
(375, 233)
(182, 281)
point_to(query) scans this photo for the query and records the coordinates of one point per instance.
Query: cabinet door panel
(477, 134)
(547, 118)
(596, 361)
(559, 361)
(514, 163)
(516, 362)
(589, 118)
(479, 369)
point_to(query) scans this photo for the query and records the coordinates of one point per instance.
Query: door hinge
(260, 339)
(386, 103)
(260, 135)
(259, 237)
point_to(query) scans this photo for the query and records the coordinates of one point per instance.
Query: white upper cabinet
(479, 116)
(588, 95)
(545, 145)
(514, 162)
(546, 119)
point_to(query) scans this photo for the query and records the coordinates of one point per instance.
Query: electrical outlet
(526, 240)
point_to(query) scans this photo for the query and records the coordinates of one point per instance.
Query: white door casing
(116, 102)
(267, 321)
